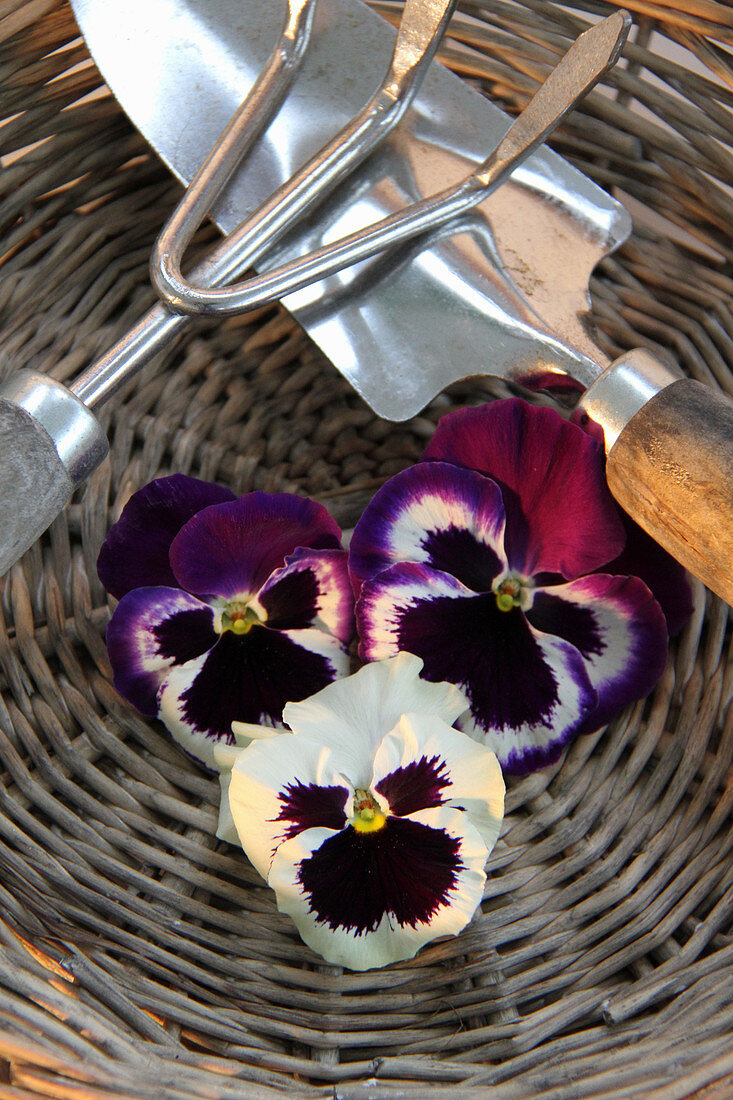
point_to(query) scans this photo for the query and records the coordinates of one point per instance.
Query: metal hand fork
(583, 65)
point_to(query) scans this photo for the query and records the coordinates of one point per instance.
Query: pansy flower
(229, 607)
(374, 819)
(486, 561)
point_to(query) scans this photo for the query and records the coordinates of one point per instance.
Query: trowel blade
(502, 293)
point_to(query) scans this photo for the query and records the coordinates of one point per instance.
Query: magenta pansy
(495, 561)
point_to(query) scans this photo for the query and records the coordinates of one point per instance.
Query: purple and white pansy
(486, 560)
(373, 820)
(229, 607)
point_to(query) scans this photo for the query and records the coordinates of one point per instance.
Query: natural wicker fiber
(139, 957)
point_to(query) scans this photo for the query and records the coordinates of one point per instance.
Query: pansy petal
(226, 828)
(423, 763)
(352, 715)
(560, 515)
(281, 787)
(367, 900)
(312, 589)
(135, 551)
(528, 692)
(246, 678)
(152, 630)
(643, 557)
(231, 550)
(446, 517)
(619, 629)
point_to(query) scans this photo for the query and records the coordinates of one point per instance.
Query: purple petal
(415, 786)
(449, 518)
(231, 550)
(312, 589)
(405, 870)
(644, 558)
(619, 629)
(151, 631)
(528, 693)
(135, 552)
(560, 515)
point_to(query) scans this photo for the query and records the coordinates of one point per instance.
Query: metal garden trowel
(468, 285)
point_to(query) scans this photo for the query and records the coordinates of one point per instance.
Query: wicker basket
(139, 957)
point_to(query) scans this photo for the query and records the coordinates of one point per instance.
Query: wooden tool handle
(671, 469)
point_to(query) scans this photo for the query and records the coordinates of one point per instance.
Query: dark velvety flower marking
(249, 678)
(405, 872)
(458, 552)
(186, 635)
(572, 622)
(471, 643)
(292, 602)
(308, 806)
(416, 786)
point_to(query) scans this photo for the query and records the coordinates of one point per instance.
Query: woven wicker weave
(141, 958)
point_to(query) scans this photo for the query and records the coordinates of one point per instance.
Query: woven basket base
(139, 957)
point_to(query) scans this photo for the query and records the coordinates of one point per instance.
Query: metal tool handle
(418, 36)
(49, 444)
(590, 56)
(239, 135)
(669, 443)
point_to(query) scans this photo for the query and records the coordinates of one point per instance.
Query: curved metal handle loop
(237, 139)
(582, 66)
(419, 34)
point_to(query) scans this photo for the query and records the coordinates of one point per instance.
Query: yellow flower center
(239, 617)
(367, 816)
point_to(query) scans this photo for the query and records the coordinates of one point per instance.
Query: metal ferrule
(622, 390)
(76, 434)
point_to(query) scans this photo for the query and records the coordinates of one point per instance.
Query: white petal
(170, 711)
(226, 829)
(470, 771)
(246, 732)
(352, 715)
(261, 773)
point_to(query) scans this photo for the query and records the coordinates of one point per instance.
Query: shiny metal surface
(506, 294)
(623, 389)
(237, 139)
(418, 35)
(578, 71)
(76, 434)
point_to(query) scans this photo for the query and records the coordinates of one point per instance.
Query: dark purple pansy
(229, 608)
(374, 819)
(488, 561)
